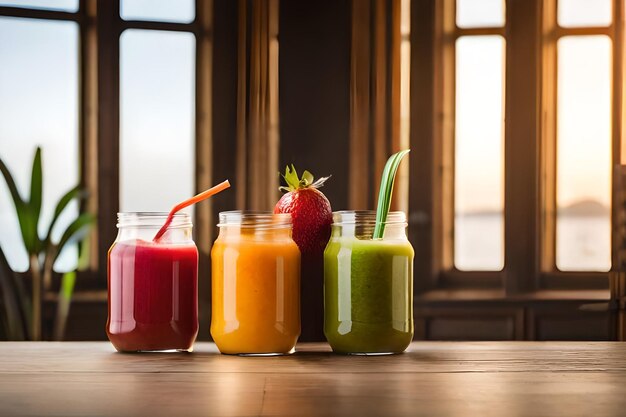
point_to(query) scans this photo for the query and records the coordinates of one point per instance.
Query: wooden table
(431, 379)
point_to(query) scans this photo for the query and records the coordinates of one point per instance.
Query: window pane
(62, 5)
(575, 13)
(157, 147)
(38, 106)
(479, 233)
(583, 237)
(480, 13)
(181, 11)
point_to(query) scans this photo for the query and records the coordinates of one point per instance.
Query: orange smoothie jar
(255, 284)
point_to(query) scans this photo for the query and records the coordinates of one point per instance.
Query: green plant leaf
(27, 226)
(76, 192)
(83, 255)
(36, 190)
(68, 280)
(67, 285)
(11, 183)
(386, 191)
(75, 232)
(13, 304)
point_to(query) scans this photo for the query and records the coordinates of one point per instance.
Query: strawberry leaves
(294, 182)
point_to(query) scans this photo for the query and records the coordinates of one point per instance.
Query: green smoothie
(368, 295)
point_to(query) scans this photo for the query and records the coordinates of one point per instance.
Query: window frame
(529, 31)
(453, 34)
(110, 27)
(100, 28)
(550, 276)
(84, 18)
(527, 24)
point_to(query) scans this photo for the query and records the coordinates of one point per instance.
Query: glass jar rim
(152, 219)
(367, 217)
(254, 219)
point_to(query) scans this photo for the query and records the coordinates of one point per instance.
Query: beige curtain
(257, 127)
(376, 103)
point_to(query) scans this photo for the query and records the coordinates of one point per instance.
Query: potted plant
(22, 318)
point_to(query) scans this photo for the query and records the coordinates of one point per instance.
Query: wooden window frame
(551, 32)
(431, 117)
(84, 17)
(530, 31)
(100, 27)
(110, 27)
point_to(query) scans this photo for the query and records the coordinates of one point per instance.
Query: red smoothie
(153, 296)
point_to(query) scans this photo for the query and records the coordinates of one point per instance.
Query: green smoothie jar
(368, 285)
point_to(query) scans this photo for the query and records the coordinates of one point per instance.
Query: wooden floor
(431, 379)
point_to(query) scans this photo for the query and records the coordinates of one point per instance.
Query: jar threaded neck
(367, 217)
(255, 219)
(147, 219)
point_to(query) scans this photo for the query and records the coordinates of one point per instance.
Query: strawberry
(310, 212)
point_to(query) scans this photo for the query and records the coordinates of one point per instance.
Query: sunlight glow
(479, 153)
(38, 106)
(584, 153)
(157, 115)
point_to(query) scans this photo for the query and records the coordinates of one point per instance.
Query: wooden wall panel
(314, 91)
(592, 327)
(224, 109)
(108, 120)
(551, 321)
(204, 226)
(423, 168)
(449, 328)
(314, 106)
(261, 121)
(360, 104)
(375, 101)
(87, 321)
(521, 147)
(223, 128)
(470, 323)
(568, 323)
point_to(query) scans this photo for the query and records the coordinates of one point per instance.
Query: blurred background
(513, 110)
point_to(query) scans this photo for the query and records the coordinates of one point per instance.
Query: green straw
(386, 190)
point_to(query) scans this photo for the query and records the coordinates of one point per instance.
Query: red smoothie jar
(153, 287)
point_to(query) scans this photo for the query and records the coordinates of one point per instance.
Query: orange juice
(256, 284)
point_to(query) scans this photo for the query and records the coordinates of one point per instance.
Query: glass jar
(256, 284)
(368, 285)
(153, 286)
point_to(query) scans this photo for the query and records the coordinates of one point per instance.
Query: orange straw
(193, 200)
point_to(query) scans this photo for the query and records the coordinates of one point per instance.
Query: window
(477, 87)
(478, 180)
(526, 103)
(86, 81)
(581, 39)
(38, 107)
(581, 13)
(57, 5)
(584, 39)
(156, 119)
(180, 11)
(583, 225)
(480, 13)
